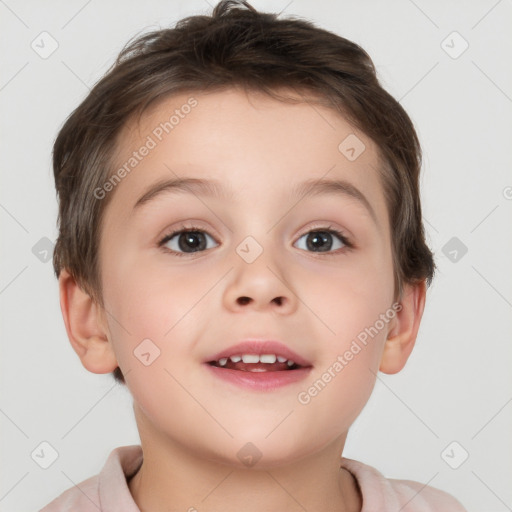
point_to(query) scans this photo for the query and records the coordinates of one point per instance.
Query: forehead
(250, 143)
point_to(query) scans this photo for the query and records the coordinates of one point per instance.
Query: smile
(266, 372)
(256, 363)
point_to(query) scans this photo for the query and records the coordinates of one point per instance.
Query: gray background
(456, 385)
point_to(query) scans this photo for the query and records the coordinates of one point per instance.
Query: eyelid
(193, 227)
(328, 226)
(341, 233)
(185, 226)
(170, 233)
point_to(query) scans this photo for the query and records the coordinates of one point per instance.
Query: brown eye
(320, 240)
(187, 241)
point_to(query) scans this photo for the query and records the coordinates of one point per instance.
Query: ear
(402, 335)
(86, 326)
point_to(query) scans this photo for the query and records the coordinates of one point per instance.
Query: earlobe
(402, 336)
(86, 326)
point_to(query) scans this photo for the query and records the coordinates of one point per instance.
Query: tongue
(247, 367)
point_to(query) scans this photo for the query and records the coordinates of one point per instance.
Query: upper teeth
(254, 358)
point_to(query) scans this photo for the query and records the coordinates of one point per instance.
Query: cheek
(346, 296)
(350, 304)
(146, 301)
(345, 373)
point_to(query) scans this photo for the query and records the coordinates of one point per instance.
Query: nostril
(244, 300)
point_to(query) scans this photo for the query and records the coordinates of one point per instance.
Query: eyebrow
(334, 187)
(214, 188)
(192, 185)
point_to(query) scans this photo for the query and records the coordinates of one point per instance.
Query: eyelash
(184, 229)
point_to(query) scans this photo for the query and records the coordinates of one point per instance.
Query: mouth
(250, 371)
(260, 356)
(259, 365)
(256, 363)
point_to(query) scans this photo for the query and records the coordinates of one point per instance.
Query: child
(241, 244)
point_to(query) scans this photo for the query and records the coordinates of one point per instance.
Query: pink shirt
(109, 492)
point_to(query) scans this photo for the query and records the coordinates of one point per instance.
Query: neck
(173, 478)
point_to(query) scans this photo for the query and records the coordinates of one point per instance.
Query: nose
(260, 286)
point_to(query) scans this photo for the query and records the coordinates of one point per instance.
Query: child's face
(259, 151)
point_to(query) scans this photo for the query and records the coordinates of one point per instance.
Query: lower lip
(260, 381)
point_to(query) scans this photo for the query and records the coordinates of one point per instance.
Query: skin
(192, 424)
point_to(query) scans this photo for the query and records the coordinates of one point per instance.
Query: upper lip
(259, 348)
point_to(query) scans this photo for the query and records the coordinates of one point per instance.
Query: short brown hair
(236, 46)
